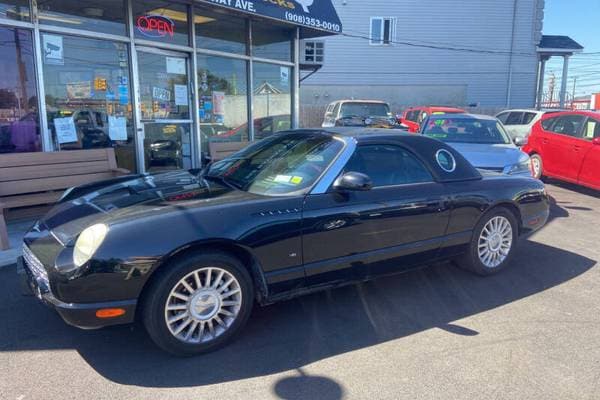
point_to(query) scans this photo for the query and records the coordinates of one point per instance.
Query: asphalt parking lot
(532, 332)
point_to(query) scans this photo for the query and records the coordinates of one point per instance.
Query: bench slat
(60, 157)
(49, 171)
(30, 199)
(45, 184)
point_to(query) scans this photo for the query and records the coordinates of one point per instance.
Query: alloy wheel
(495, 241)
(203, 305)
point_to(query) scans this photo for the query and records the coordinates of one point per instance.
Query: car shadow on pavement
(573, 187)
(292, 334)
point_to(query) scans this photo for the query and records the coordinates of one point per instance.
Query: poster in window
(176, 65)
(161, 94)
(53, 49)
(181, 95)
(218, 100)
(65, 130)
(117, 128)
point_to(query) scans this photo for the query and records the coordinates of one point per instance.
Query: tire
(537, 166)
(496, 251)
(206, 312)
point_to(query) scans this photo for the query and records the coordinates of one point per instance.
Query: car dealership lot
(532, 331)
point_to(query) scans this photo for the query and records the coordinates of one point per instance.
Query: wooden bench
(35, 179)
(221, 150)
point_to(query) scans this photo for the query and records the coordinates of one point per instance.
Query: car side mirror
(596, 141)
(520, 141)
(353, 181)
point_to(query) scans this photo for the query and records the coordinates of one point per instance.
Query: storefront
(156, 80)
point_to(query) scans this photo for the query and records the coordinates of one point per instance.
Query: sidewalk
(16, 230)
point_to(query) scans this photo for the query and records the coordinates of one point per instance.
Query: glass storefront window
(163, 86)
(161, 21)
(106, 16)
(216, 31)
(223, 96)
(88, 95)
(19, 119)
(272, 99)
(15, 9)
(272, 42)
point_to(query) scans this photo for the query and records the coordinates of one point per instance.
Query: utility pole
(551, 85)
(573, 96)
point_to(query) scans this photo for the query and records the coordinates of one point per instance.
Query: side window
(568, 125)
(528, 117)
(336, 109)
(388, 165)
(502, 117)
(422, 117)
(548, 123)
(591, 129)
(514, 118)
(411, 115)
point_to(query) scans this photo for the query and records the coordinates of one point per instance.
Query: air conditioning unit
(312, 53)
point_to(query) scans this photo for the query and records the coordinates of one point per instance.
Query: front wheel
(198, 303)
(493, 243)
(537, 166)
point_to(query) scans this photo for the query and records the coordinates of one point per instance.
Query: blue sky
(579, 19)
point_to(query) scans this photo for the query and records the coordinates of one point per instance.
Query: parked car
(482, 140)
(518, 123)
(566, 146)
(413, 117)
(191, 252)
(371, 113)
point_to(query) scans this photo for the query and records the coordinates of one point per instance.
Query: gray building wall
(412, 75)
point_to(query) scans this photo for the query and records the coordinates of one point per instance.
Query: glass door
(165, 109)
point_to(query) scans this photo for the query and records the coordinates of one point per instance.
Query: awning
(315, 17)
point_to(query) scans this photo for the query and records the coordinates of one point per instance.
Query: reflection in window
(107, 16)
(164, 90)
(161, 21)
(272, 99)
(271, 42)
(216, 31)
(223, 110)
(15, 9)
(19, 127)
(88, 97)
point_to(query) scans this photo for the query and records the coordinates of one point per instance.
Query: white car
(356, 113)
(518, 123)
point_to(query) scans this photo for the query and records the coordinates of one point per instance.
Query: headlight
(520, 168)
(88, 242)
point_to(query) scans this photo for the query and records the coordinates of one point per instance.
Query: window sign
(181, 95)
(65, 130)
(155, 26)
(53, 49)
(161, 94)
(176, 65)
(117, 128)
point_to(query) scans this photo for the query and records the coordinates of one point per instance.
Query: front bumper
(80, 315)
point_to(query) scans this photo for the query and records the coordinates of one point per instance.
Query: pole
(541, 79)
(563, 80)
(573, 95)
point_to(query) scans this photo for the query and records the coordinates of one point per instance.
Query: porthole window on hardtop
(445, 160)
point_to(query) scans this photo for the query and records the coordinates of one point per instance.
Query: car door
(411, 120)
(396, 224)
(562, 155)
(589, 172)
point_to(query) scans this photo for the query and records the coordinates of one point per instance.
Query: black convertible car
(189, 253)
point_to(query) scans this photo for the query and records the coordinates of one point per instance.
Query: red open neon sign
(155, 26)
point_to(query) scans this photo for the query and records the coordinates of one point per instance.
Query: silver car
(482, 140)
(518, 123)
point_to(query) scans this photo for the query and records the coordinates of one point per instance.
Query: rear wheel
(199, 303)
(537, 166)
(493, 243)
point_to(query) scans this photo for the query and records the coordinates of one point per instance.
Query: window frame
(392, 31)
(416, 158)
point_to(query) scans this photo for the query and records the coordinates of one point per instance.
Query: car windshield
(282, 164)
(466, 130)
(365, 110)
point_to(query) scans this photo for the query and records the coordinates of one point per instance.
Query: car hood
(138, 197)
(493, 156)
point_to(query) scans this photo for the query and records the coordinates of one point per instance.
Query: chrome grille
(35, 265)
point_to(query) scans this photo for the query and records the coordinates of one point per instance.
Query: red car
(566, 146)
(414, 116)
